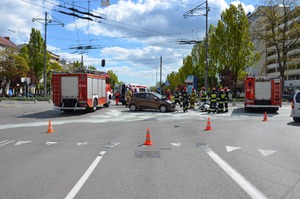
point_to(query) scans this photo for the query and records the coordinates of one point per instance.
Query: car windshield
(159, 96)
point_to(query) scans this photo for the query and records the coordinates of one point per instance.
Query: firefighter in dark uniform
(213, 101)
(221, 101)
(203, 95)
(226, 90)
(177, 96)
(193, 96)
(185, 100)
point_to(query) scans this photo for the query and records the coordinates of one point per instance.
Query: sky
(131, 35)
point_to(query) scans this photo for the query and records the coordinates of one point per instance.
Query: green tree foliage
(279, 28)
(12, 68)
(231, 43)
(113, 79)
(36, 55)
(92, 67)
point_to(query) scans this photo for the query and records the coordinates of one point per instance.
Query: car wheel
(132, 107)
(163, 108)
(296, 119)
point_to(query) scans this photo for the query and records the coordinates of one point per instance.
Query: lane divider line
(250, 189)
(85, 176)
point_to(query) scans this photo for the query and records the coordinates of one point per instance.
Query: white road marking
(252, 191)
(51, 143)
(6, 142)
(81, 143)
(85, 176)
(231, 148)
(22, 142)
(266, 152)
(176, 144)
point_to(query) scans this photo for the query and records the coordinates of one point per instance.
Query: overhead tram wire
(147, 32)
(112, 23)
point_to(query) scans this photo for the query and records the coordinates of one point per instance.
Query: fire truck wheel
(132, 107)
(163, 108)
(94, 108)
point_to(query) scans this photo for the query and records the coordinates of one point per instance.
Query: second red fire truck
(262, 93)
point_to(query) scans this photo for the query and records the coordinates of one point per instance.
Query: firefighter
(128, 96)
(177, 96)
(226, 90)
(203, 95)
(221, 101)
(193, 96)
(213, 101)
(185, 99)
(117, 96)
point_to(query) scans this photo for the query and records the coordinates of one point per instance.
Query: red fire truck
(262, 93)
(80, 90)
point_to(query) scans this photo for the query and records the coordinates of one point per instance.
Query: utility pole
(46, 21)
(206, 45)
(160, 75)
(197, 12)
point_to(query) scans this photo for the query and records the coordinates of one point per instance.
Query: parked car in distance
(295, 112)
(287, 97)
(150, 100)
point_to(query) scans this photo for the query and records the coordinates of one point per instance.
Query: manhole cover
(147, 154)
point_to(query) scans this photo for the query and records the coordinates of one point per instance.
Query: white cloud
(132, 37)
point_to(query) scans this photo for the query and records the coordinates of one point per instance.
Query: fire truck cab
(262, 93)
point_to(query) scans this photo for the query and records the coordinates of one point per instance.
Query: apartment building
(268, 64)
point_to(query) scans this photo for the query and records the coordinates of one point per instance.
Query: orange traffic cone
(265, 117)
(208, 127)
(148, 139)
(50, 129)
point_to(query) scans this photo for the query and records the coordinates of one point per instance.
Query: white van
(295, 112)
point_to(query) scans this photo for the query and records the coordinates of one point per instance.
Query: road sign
(10, 92)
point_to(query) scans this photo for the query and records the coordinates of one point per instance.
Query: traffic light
(103, 62)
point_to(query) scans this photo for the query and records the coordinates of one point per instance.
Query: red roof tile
(7, 43)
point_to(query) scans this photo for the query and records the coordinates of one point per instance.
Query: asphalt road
(101, 154)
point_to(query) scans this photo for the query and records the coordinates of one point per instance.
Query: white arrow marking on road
(266, 152)
(22, 142)
(231, 148)
(176, 144)
(81, 143)
(51, 143)
(112, 144)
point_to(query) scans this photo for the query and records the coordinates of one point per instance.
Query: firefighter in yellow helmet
(193, 96)
(128, 96)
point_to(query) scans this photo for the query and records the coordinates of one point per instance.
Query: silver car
(295, 112)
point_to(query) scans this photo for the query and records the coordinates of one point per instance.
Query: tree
(113, 79)
(232, 47)
(36, 55)
(279, 28)
(12, 68)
